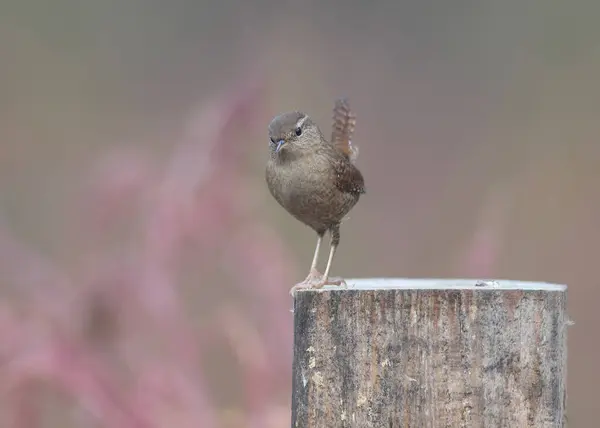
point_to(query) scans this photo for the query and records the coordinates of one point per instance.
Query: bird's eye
(298, 131)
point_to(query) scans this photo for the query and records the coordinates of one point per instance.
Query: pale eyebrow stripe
(301, 122)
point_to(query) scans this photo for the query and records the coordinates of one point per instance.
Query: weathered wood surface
(430, 353)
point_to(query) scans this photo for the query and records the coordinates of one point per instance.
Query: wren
(315, 180)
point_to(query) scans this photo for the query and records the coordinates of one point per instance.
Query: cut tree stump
(392, 353)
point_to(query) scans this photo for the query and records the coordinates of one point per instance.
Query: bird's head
(293, 134)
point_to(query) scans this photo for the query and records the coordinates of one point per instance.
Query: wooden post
(396, 353)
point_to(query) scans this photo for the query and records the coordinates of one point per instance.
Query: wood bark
(430, 353)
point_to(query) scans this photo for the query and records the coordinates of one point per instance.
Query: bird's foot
(316, 280)
(313, 278)
(336, 280)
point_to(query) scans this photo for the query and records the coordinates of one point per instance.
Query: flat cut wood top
(443, 284)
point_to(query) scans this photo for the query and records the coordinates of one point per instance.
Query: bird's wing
(347, 177)
(344, 122)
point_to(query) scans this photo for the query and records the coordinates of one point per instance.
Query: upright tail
(344, 122)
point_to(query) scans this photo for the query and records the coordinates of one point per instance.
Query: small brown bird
(315, 180)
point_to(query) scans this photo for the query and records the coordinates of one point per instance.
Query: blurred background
(144, 267)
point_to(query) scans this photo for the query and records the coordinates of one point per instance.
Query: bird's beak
(279, 144)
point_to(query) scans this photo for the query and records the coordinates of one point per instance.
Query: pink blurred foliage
(114, 336)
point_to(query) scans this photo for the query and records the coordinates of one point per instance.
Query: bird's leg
(329, 261)
(335, 241)
(314, 279)
(314, 275)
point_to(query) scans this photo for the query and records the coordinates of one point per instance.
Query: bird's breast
(308, 192)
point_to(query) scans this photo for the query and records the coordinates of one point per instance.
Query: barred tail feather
(344, 122)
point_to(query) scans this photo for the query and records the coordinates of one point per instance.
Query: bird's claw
(316, 282)
(313, 277)
(311, 281)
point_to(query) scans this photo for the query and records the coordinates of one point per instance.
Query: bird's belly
(319, 205)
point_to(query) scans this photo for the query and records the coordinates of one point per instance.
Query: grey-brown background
(477, 124)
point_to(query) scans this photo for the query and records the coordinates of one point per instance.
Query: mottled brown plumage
(315, 180)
